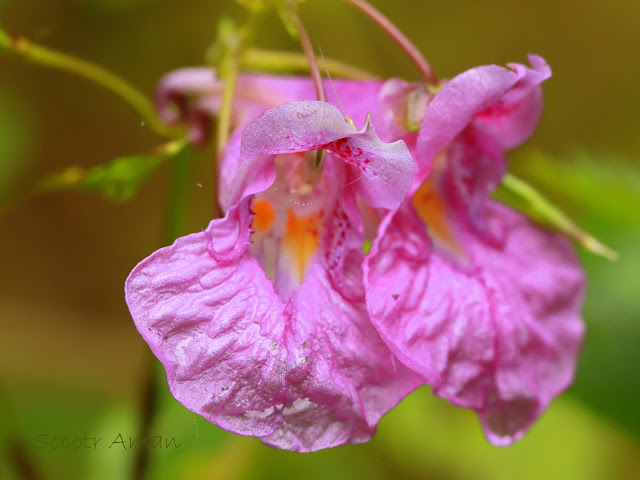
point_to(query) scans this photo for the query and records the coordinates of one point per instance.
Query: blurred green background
(71, 361)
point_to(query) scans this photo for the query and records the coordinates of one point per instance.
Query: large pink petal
(305, 375)
(215, 325)
(422, 306)
(303, 371)
(535, 287)
(499, 335)
(346, 375)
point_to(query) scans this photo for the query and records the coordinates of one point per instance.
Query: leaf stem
(38, 54)
(539, 208)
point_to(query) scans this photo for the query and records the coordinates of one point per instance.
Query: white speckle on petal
(259, 414)
(299, 405)
(181, 348)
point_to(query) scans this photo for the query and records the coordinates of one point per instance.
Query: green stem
(178, 202)
(223, 125)
(35, 53)
(233, 43)
(534, 204)
(255, 59)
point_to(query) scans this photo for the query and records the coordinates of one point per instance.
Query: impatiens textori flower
(260, 320)
(470, 294)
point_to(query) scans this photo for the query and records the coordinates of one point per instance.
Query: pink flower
(478, 300)
(193, 96)
(260, 320)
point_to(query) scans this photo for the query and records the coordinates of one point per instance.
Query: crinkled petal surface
(302, 373)
(500, 336)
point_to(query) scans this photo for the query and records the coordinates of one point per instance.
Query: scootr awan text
(119, 442)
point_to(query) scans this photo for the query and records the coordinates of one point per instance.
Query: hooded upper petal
(512, 119)
(302, 368)
(504, 103)
(381, 172)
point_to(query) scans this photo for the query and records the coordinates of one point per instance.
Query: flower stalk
(314, 69)
(307, 48)
(400, 38)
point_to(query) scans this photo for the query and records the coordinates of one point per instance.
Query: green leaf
(117, 181)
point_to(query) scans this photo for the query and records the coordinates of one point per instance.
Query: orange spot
(432, 211)
(301, 240)
(265, 215)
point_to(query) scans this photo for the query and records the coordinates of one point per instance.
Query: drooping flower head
(468, 293)
(260, 320)
(193, 96)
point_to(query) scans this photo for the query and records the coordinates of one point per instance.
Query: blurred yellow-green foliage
(71, 361)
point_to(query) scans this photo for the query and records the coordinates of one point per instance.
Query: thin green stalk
(260, 60)
(535, 205)
(223, 126)
(38, 54)
(179, 200)
(232, 43)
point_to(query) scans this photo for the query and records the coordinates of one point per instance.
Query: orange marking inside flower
(265, 215)
(433, 213)
(301, 240)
